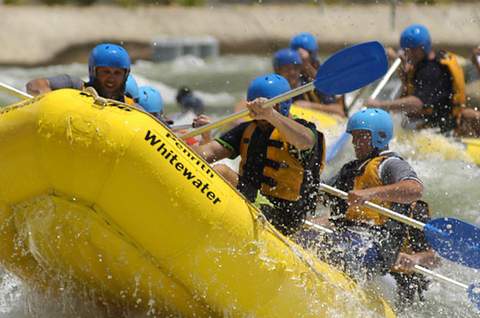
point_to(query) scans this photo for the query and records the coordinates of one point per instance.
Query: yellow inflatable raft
(322, 120)
(425, 143)
(473, 148)
(105, 197)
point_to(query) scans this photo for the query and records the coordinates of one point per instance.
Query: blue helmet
(131, 88)
(269, 86)
(286, 57)
(416, 35)
(377, 121)
(150, 99)
(306, 41)
(108, 55)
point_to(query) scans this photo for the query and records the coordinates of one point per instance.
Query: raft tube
(103, 196)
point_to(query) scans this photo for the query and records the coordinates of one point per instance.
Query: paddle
(341, 141)
(345, 71)
(473, 290)
(181, 127)
(13, 91)
(453, 239)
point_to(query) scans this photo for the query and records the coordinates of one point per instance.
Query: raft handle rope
(98, 100)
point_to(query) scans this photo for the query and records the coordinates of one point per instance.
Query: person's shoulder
(434, 64)
(391, 157)
(244, 125)
(240, 128)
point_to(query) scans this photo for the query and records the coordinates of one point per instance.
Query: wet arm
(38, 86)
(408, 104)
(405, 191)
(296, 134)
(212, 151)
(44, 85)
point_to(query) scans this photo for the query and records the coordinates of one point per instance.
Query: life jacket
(283, 174)
(458, 99)
(129, 101)
(358, 175)
(189, 141)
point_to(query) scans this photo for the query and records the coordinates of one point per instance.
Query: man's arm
(212, 151)
(44, 85)
(295, 133)
(401, 184)
(38, 86)
(405, 191)
(408, 104)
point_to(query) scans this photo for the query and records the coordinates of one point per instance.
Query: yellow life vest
(368, 179)
(458, 81)
(129, 101)
(283, 172)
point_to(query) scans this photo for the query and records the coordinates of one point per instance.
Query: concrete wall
(35, 35)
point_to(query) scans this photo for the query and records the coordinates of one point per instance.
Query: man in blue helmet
(433, 83)
(306, 46)
(108, 70)
(189, 102)
(151, 100)
(288, 63)
(366, 243)
(131, 88)
(281, 157)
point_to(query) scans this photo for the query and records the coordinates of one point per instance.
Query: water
(451, 186)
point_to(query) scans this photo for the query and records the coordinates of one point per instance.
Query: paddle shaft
(439, 277)
(384, 80)
(380, 209)
(271, 102)
(13, 91)
(418, 268)
(181, 127)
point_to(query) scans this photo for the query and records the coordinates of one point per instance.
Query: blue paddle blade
(474, 294)
(333, 150)
(455, 240)
(352, 68)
